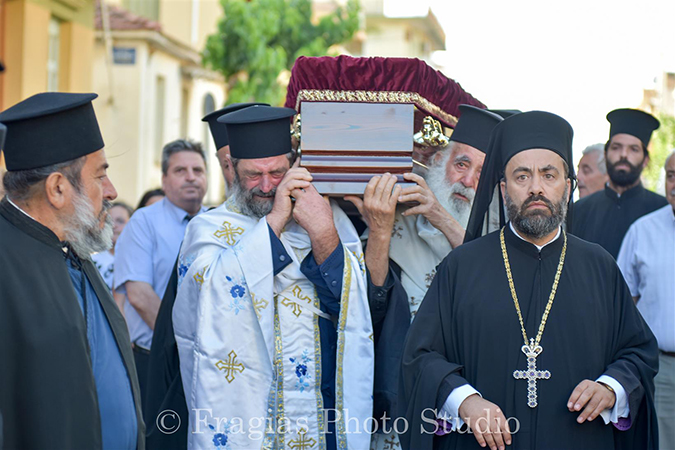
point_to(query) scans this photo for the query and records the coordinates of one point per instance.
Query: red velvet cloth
(346, 73)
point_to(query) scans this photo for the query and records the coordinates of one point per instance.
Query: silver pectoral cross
(531, 374)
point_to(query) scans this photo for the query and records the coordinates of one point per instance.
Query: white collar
(539, 247)
(24, 212)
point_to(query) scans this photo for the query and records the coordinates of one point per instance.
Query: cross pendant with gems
(531, 374)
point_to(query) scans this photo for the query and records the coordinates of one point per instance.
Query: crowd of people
(263, 323)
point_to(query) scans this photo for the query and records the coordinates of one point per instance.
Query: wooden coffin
(343, 145)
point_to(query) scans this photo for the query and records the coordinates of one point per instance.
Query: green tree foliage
(258, 40)
(662, 142)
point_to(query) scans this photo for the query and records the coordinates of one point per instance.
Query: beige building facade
(417, 36)
(152, 90)
(661, 98)
(45, 45)
(414, 33)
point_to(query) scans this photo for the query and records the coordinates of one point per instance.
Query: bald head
(670, 178)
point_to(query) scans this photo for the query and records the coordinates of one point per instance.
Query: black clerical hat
(259, 131)
(50, 128)
(504, 113)
(634, 122)
(3, 130)
(219, 130)
(534, 129)
(520, 132)
(474, 127)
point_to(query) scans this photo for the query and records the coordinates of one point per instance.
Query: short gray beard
(83, 231)
(438, 183)
(536, 224)
(248, 203)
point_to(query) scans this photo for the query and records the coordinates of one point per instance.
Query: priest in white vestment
(271, 317)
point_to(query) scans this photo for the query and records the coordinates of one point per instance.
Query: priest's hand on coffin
(487, 422)
(295, 178)
(379, 204)
(378, 208)
(429, 206)
(594, 397)
(313, 213)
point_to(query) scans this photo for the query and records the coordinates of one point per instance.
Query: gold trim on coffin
(431, 134)
(326, 95)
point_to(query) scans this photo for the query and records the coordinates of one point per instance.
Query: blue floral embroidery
(221, 439)
(237, 292)
(184, 263)
(301, 371)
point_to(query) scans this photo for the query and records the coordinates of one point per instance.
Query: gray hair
(20, 184)
(600, 150)
(180, 145)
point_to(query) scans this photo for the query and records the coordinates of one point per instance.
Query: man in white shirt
(147, 248)
(647, 260)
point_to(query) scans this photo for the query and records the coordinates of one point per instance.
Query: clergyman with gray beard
(410, 231)
(276, 268)
(68, 377)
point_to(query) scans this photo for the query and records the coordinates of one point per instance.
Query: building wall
(25, 31)
(384, 39)
(210, 12)
(661, 98)
(398, 38)
(119, 109)
(176, 17)
(152, 103)
(199, 131)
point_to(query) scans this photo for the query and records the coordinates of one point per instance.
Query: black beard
(536, 224)
(621, 177)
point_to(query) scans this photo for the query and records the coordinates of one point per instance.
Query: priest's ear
(58, 190)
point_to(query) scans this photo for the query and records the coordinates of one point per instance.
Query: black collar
(552, 249)
(630, 193)
(28, 225)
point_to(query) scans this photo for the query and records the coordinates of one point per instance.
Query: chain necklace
(532, 349)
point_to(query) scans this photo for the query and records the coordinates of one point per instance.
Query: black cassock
(48, 396)
(467, 331)
(165, 385)
(604, 217)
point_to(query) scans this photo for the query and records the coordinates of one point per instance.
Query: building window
(53, 57)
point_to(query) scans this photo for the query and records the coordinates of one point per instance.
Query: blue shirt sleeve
(280, 258)
(133, 253)
(327, 278)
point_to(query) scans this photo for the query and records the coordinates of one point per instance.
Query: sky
(577, 59)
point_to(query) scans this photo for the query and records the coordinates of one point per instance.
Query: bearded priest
(271, 317)
(406, 243)
(551, 352)
(68, 375)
